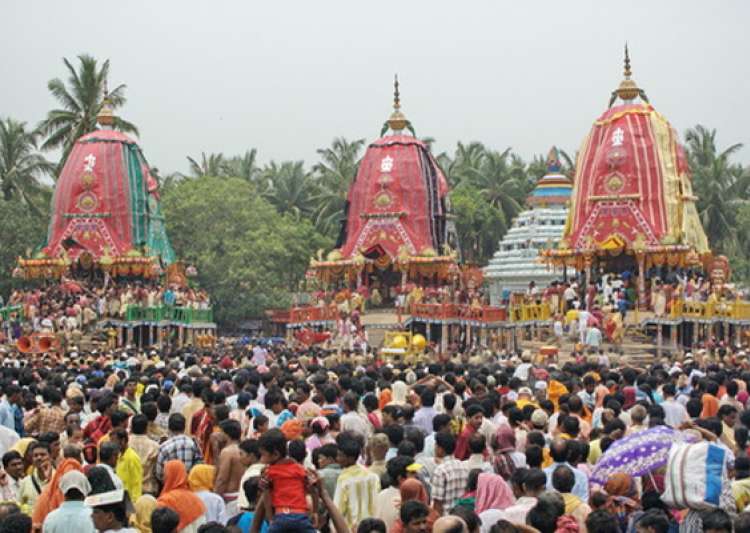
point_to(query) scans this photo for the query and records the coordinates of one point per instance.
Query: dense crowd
(73, 307)
(273, 439)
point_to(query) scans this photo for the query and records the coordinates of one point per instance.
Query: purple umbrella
(637, 454)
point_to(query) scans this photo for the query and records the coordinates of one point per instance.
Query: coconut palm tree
(467, 156)
(213, 165)
(290, 188)
(21, 165)
(80, 100)
(244, 166)
(334, 174)
(501, 178)
(721, 186)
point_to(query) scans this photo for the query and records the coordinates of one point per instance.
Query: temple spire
(628, 89)
(397, 121)
(106, 115)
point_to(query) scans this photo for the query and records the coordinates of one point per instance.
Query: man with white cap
(72, 516)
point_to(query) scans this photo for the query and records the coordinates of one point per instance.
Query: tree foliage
(80, 100)
(249, 256)
(21, 229)
(21, 166)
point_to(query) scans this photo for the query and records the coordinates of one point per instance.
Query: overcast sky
(288, 77)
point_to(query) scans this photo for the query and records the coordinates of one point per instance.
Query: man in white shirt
(259, 356)
(675, 413)
(351, 420)
(424, 415)
(477, 445)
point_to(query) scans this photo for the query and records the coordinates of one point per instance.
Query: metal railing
(529, 312)
(185, 315)
(6, 312)
(729, 310)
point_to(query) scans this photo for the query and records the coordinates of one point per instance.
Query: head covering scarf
(51, 496)
(22, 446)
(144, 506)
(505, 444)
(399, 393)
(412, 489)
(492, 493)
(202, 478)
(292, 429)
(554, 391)
(621, 484)
(177, 496)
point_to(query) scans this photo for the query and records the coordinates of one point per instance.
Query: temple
(105, 208)
(397, 225)
(107, 239)
(633, 207)
(539, 227)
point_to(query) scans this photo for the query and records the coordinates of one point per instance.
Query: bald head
(449, 524)
(559, 450)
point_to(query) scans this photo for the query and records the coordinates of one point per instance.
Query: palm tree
(81, 100)
(720, 185)
(334, 174)
(467, 156)
(213, 165)
(290, 188)
(21, 166)
(244, 166)
(500, 177)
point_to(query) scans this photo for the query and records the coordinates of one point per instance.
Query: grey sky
(287, 77)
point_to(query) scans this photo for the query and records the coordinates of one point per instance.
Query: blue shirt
(580, 489)
(70, 517)
(7, 417)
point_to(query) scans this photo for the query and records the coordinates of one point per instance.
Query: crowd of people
(72, 308)
(274, 439)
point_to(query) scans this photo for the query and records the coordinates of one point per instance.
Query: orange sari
(52, 497)
(177, 495)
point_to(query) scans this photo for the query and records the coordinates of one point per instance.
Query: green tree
(334, 174)
(21, 165)
(20, 230)
(720, 184)
(244, 166)
(80, 100)
(290, 188)
(212, 165)
(467, 156)
(249, 257)
(501, 178)
(479, 225)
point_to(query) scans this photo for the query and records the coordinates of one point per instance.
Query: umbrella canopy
(638, 454)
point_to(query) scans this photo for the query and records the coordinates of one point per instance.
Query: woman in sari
(177, 495)
(51, 496)
(144, 507)
(504, 445)
(320, 435)
(492, 493)
(412, 489)
(201, 481)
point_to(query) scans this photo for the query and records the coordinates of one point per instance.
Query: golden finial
(627, 62)
(397, 121)
(628, 89)
(396, 99)
(106, 116)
